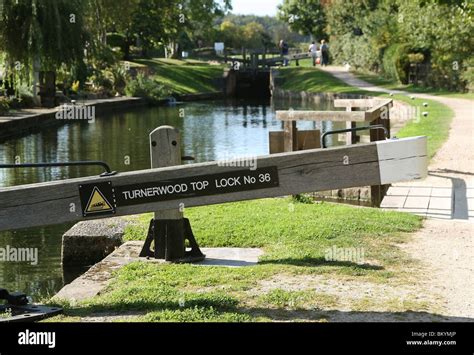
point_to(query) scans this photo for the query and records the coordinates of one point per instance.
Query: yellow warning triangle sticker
(98, 202)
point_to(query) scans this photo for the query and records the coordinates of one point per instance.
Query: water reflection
(210, 131)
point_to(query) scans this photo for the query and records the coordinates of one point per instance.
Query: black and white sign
(214, 184)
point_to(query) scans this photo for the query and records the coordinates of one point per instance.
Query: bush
(116, 40)
(147, 88)
(24, 96)
(396, 63)
(102, 80)
(468, 74)
(416, 58)
(120, 77)
(4, 105)
(355, 50)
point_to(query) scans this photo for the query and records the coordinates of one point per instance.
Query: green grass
(394, 85)
(184, 76)
(292, 233)
(294, 236)
(311, 79)
(435, 126)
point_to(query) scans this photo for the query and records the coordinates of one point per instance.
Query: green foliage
(302, 198)
(75, 86)
(101, 80)
(396, 62)
(196, 314)
(304, 16)
(416, 57)
(355, 50)
(444, 32)
(50, 30)
(274, 30)
(119, 77)
(147, 88)
(4, 105)
(116, 40)
(359, 31)
(468, 74)
(379, 35)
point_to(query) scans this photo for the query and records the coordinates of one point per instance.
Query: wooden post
(377, 192)
(290, 136)
(351, 137)
(165, 150)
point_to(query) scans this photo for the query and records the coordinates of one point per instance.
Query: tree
(42, 35)
(253, 35)
(443, 34)
(120, 21)
(359, 31)
(304, 16)
(193, 17)
(50, 30)
(231, 34)
(150, 22)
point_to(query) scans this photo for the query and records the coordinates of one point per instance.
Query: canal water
(211, 130)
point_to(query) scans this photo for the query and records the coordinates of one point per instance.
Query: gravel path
(445, 247)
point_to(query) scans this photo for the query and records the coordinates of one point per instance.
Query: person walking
(284, 52)
(324, 53)
(313, 49)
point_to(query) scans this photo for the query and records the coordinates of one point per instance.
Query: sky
(255, 7)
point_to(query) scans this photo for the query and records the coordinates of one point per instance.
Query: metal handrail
(346, 130)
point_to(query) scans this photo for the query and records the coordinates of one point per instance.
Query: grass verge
(295, 238)
(394, 85)
(184, 76)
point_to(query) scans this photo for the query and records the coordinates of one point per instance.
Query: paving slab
(398, 191)
(420, 191)
(417, 202)
(441, 203)
(232, 257)
(392, 201)
(441, 192)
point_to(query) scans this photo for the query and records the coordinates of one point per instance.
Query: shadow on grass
(283, 315)
(310, 261)
(140, 307)
(261, 314)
